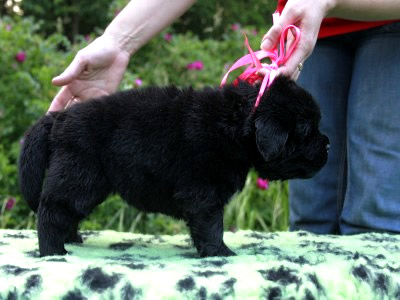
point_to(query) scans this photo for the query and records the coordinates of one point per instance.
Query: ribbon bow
(277, 58)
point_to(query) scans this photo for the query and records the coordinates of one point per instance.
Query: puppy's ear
(271, 137)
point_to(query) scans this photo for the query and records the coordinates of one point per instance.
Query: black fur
(183, 153)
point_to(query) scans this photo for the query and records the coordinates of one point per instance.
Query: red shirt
(336, 26)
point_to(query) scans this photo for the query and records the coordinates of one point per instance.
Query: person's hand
(96, 70)
(306, 15)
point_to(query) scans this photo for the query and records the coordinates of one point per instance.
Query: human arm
(308, 16)
(365, 10)
(98, 68)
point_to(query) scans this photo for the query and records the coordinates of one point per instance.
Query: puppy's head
(287, 136)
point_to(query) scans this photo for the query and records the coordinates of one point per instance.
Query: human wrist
(140, 21)
(365, 10)
(123, 42)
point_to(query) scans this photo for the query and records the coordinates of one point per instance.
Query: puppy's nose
(327, 147)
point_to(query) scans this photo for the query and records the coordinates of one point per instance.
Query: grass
(252, 208)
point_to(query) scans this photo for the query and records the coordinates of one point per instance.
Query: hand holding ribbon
(277, 57)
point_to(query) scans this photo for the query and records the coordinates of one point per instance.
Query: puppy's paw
(51, 252)
(223, 250)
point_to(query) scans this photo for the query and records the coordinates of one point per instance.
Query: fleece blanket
(286, 265)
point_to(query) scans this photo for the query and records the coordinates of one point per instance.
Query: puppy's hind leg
(74, 186)
(53, 222)
(206, 229)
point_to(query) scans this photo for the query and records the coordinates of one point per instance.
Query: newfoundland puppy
(180, 152)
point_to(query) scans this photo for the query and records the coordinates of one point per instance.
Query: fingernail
(264, 37)
(265, 44)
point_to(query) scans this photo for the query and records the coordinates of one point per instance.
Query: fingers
(296, 74)
(72, 72)
(309, 26)
(61, 100)
(261, 72)
(299, 56)
(72, 101)
(290, 68)
(271, 38)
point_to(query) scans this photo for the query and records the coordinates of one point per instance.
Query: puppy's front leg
(206, 229)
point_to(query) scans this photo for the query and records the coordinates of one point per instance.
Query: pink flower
(168, 37)
(254, 32)
(235, 27)
(87, 38)
(138, 82)
(8, 27)
(20, 56)
(262, 184)
(10, 203)
(196, 65)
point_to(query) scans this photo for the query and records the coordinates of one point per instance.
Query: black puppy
(183, 153)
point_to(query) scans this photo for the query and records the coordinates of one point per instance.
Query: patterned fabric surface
(287, 265)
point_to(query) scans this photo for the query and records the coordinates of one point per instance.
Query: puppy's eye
(303, 129)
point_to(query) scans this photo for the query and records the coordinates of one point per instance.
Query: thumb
(76, 67)
(271, 38)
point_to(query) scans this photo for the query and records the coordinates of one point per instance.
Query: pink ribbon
(277, 58)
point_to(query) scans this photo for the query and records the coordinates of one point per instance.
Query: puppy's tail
(33, 160)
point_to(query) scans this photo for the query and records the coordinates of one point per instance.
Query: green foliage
(115, 214)
(214, 18)
(26, 92)
(253, 208)
(26, 84)
(258, 209)
(165, 62)
(68, 17)
(28, 62)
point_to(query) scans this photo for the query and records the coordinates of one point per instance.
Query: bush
(167, 59)
(214, 18)
(253, 208)
(29, 61)
(71, 18)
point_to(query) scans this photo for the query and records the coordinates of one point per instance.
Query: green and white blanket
(287, 265)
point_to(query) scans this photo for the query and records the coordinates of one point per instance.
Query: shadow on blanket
(112, 265)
